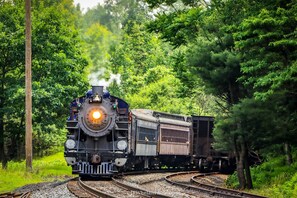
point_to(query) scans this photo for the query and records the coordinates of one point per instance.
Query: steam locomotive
(106, 137)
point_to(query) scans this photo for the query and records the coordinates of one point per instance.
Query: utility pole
(28, 88)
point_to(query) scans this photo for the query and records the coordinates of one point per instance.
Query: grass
(46, 169)
(272, 179)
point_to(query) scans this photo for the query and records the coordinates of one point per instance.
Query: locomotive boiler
(97, 133)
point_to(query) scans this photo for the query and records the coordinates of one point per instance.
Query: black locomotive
(105, 137)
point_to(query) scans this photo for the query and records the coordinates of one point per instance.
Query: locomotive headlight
(122, 145)
(70, 144)
(96, 115)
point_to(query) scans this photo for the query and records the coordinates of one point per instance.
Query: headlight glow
(70, 144)
(122, 145)
(96, 115)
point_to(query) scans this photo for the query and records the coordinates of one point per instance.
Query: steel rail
(142, 172)
(141, 191)
(209, 189)
(223, 191)
(93, 191)
(188, 187)
(16, 194)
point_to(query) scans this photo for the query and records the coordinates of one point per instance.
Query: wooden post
(28, 88)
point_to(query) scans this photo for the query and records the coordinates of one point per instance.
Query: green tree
(268, 44)
(138, 52)
(124, 11)
(98, 40)
(161, 91)
(12, 71)
(58, 69)
(241, 49)
(207, 32)
(102, 29)
(148, 80)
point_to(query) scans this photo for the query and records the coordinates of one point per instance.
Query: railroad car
(204, 156)
(159, 139)
(106, 137)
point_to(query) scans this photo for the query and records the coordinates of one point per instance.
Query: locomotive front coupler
(96, 159)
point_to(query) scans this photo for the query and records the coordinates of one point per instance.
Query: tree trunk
(243, 169)
(2, 145)
(240, 171)
(20, 142)
(287, 148)
(239, 165)
(249, 182)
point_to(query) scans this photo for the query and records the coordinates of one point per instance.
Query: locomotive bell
(97, 90)
(97, 93)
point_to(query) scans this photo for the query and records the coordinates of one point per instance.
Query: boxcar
(205, 156)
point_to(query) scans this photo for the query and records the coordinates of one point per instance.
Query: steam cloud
(97, 79)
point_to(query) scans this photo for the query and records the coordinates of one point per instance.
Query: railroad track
(156, 183)
(17, 195)
(196, 185)
(108, 188)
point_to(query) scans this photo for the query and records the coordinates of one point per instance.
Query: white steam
(97, 78)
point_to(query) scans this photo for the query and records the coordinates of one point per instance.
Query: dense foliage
(245, 52)
(148, 76)
(57, 69)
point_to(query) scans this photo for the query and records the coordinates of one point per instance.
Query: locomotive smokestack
(97, 90)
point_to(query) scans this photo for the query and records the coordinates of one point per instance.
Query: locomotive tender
(105, 137)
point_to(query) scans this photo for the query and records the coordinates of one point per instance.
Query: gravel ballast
(47, 189)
